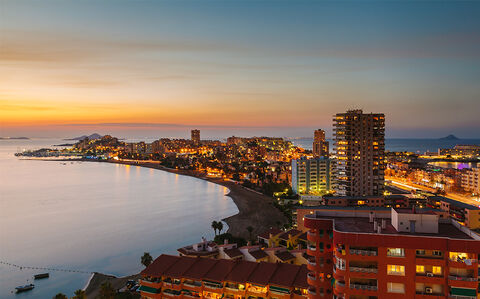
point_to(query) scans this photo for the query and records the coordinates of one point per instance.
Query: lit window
(396, 252)
(396, 270)
(437, 270)
(420, 269)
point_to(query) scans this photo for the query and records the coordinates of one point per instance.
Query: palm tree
(60, 296)
(146, 259)
(219, 227)
(250, 230)
(79, 294)
(214, 226)
(106, 291)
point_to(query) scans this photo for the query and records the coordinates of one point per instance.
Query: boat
(24, 288)
(40, 276)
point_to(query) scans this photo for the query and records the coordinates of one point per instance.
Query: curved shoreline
(254, 208)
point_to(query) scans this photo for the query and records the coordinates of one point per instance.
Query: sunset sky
(159, 68)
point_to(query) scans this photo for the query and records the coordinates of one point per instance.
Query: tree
(250, 230)
(219, 227)
(106, 291)
(79, 294)
(214, 226)
(146, 259)
(60, 296)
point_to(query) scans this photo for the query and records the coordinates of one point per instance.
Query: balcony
(363, 269)
(312, 291)
(363, 252)
(312, 248)
(356, 286)
(462, 278)
(311, 276)
(312, 262)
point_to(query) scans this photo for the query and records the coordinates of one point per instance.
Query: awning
(280, 290)
(463, 292)
(149, 290)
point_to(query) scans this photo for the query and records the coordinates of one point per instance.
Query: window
(420, 252)
(437, 253)
(437, 270)
(393, 287)
(396, 252)
(420, 269)
(396, 270)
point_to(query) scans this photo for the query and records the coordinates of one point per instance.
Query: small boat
(40, 276)
(24, 288)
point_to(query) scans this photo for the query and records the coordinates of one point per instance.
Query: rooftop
(454, 202)
(363, 225)
(274, 231)
(279, 274)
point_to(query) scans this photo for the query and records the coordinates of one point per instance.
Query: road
(408, 186)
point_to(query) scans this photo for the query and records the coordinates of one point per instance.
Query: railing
(461, 297)
(312, 291)
(362, 269)
(311, 276)
(363, 287)
(213, 286)
(311, 248)
(312, 262)
(192, 284)
(363, 252)
(429, 294)
(463, 278)
(436, 257)
(340, 284)
(469, 262)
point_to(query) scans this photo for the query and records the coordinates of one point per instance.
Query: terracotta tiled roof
(292, 232)
(262, 273)
(258, 254)
(220, 271)
(180, 267)
(285, 255)
(285, 275)
(158, 267)
(200, 268)
(233, 253)
(301, 278)
(273, 231)
(241, 271)
(279, 274)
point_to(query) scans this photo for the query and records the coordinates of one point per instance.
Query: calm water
(94, 217)
(456, 165)
(415, 145)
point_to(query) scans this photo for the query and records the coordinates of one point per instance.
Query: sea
(414, 145)
(75, 218)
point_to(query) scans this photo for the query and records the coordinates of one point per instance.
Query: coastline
(254, 209)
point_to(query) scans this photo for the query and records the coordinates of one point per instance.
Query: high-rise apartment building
(358, 253)
(320, 145)
(195, 136)
(360, 149)
(312, 176)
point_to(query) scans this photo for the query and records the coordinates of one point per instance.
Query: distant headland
(91, 137)
(16, 138)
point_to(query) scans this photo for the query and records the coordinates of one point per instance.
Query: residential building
(312, 176)
(320, 145)
(465, 150)
(195, 136)
(187, 277)
(471, 180)
(407, 253)
(468, 215)
(360, 150)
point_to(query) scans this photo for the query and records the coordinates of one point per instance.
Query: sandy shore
(255, 209)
